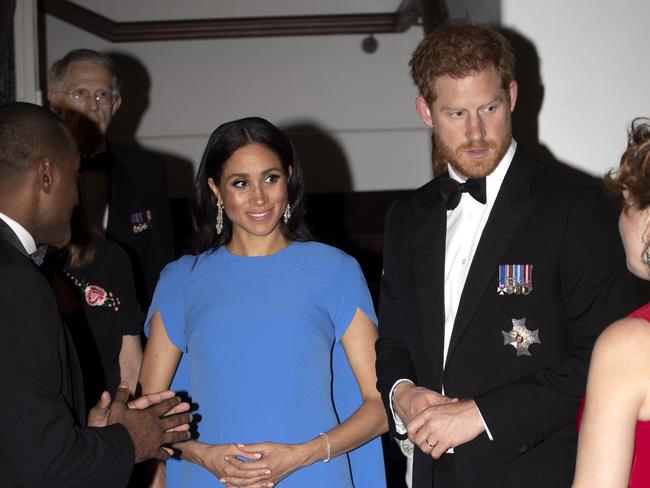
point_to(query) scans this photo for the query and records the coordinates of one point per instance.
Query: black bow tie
(452, 191)
(39, 255)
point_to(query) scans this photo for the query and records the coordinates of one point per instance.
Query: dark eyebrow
(246, 175)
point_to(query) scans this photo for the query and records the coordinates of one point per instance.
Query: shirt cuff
(399, 424)
(405, 445)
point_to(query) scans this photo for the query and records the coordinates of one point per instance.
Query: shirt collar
(23, 234)
(494, 180)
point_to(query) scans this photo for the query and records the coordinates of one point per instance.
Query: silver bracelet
(329, 447)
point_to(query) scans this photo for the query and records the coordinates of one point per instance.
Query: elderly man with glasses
(84, 88)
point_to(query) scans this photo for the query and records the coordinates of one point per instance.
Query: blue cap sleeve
(366, 462)
(354, 294)
(168, 299)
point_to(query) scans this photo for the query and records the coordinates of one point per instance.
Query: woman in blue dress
(277, 331)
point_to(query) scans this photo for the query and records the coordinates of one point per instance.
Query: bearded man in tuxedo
(498, 276)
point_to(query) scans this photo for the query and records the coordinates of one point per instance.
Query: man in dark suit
(45, 439)
(84, 88)
(498, 276)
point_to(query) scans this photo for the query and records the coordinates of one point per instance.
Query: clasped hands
(434, 422)
(260, 465)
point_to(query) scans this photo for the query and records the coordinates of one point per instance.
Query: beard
(469, 167)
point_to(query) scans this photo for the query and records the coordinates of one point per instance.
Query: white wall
(592, 63)
(596, 73)
(25, 45)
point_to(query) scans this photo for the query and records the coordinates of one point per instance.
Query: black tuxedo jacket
(566, 229)
(43, 438)
(139, 218)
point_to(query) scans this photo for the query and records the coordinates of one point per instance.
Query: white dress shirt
(465, 226)
(23, 234)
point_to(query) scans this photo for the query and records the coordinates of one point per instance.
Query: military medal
(515, 279)
(518, 279)
(520, 337)
(510, 279)
(501, 287)
(506, 279)
(528, 279)
(141, 221)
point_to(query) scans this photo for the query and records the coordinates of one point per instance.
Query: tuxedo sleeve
(596, 290)
(393, 357)
(41, 442)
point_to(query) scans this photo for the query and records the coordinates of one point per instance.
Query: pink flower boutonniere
(95, 295)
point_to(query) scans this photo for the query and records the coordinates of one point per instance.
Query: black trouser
(444, 472)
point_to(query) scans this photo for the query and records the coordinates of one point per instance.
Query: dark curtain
(7, 66)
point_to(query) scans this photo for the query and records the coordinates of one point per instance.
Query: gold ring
(429, 444)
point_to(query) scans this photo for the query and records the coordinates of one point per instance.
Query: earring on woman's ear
(287, 213)
(219, 225)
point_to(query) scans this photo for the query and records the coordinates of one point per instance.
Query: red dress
(640, 472)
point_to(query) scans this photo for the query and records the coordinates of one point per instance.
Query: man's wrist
(485, 426)
(400, 426)
(398, 393)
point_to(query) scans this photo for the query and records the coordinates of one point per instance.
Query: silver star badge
(520, 337)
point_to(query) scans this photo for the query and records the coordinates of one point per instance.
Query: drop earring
(287, 214)
(219, 225)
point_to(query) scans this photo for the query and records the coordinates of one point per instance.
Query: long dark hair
(87, 219)
(223, 142)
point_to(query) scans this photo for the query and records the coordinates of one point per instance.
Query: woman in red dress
(614, 442)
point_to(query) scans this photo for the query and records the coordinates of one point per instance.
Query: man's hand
(150, 427)
(409, 400)
(443, 426)
(98, 415)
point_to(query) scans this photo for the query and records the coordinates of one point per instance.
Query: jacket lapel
(430, 216)
(512, 205)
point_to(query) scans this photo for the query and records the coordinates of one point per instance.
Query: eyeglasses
(81, 95)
